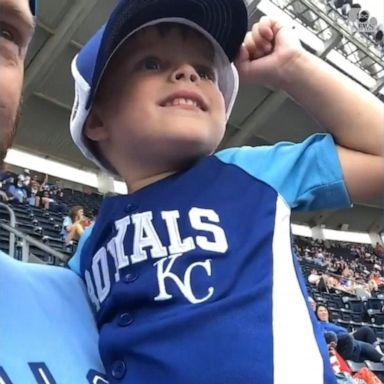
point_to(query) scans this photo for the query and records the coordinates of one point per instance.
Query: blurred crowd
(345, 267)
(26, 189)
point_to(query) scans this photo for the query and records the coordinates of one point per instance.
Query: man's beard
(9, 136)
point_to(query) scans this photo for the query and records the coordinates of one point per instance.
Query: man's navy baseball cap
(223, 22)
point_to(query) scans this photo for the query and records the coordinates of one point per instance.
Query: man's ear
(94, 127)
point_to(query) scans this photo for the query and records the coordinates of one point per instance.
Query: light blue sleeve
(47, 329)
(307, 175)
(74, 262)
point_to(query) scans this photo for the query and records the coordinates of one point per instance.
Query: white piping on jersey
(293, 335)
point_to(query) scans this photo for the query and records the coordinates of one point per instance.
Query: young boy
(191, 274)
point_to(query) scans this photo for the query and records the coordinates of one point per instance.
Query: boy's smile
(158, 102)
(186, 100)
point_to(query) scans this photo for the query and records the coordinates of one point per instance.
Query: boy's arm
(272, 56)
(350, 113)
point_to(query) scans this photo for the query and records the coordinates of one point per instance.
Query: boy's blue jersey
(47, 331)
(193, 278)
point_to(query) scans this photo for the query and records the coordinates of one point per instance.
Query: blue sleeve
(74, 262)
(330, 327)
(11, 189)
(48, 332)
(307, 175)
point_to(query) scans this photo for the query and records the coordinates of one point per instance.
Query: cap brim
(225, 20)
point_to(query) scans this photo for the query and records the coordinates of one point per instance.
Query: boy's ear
(94, 127)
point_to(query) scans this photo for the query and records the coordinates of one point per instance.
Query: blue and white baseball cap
(223, 22)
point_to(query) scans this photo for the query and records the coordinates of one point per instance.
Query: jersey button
(118, 369)
(130, 278)
(125, 319)
(131, 208)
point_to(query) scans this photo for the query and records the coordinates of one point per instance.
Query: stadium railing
(26, 241)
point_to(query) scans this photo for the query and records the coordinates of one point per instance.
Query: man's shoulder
(45, 306)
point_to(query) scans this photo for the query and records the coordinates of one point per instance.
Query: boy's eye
(151, 64)
(8, 33)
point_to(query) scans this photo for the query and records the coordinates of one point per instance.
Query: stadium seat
(378, 319)
(346, 314)
(379, 330)
(357, 318)
(346, 324)
(374, 306)
(356, 306)
(374, 367)
(354, 366)
(334, 314)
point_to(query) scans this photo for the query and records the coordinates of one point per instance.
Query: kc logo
(164, 273)
(140, 238)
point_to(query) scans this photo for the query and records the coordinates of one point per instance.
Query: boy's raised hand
(272, 56)
(267, 53)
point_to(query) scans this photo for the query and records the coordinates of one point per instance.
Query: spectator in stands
(347, 280)
(312, 303)
(377, 278)
(73, 225)
(34, 188)
(3, 195)
(365, 345)
(43, 198)
(58, 204)
(94, 214)
(379, 250)
(328, 283)
(320, 258)
(362, 290)
(46, 197)
(25, 177)
(373, 288)
(6, 178)
(314, 277)
(18, 192)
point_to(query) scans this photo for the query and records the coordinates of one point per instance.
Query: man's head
(157, 82)
(76, 213)
(16, 29)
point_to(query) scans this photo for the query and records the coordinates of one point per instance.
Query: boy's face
(159, 102)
